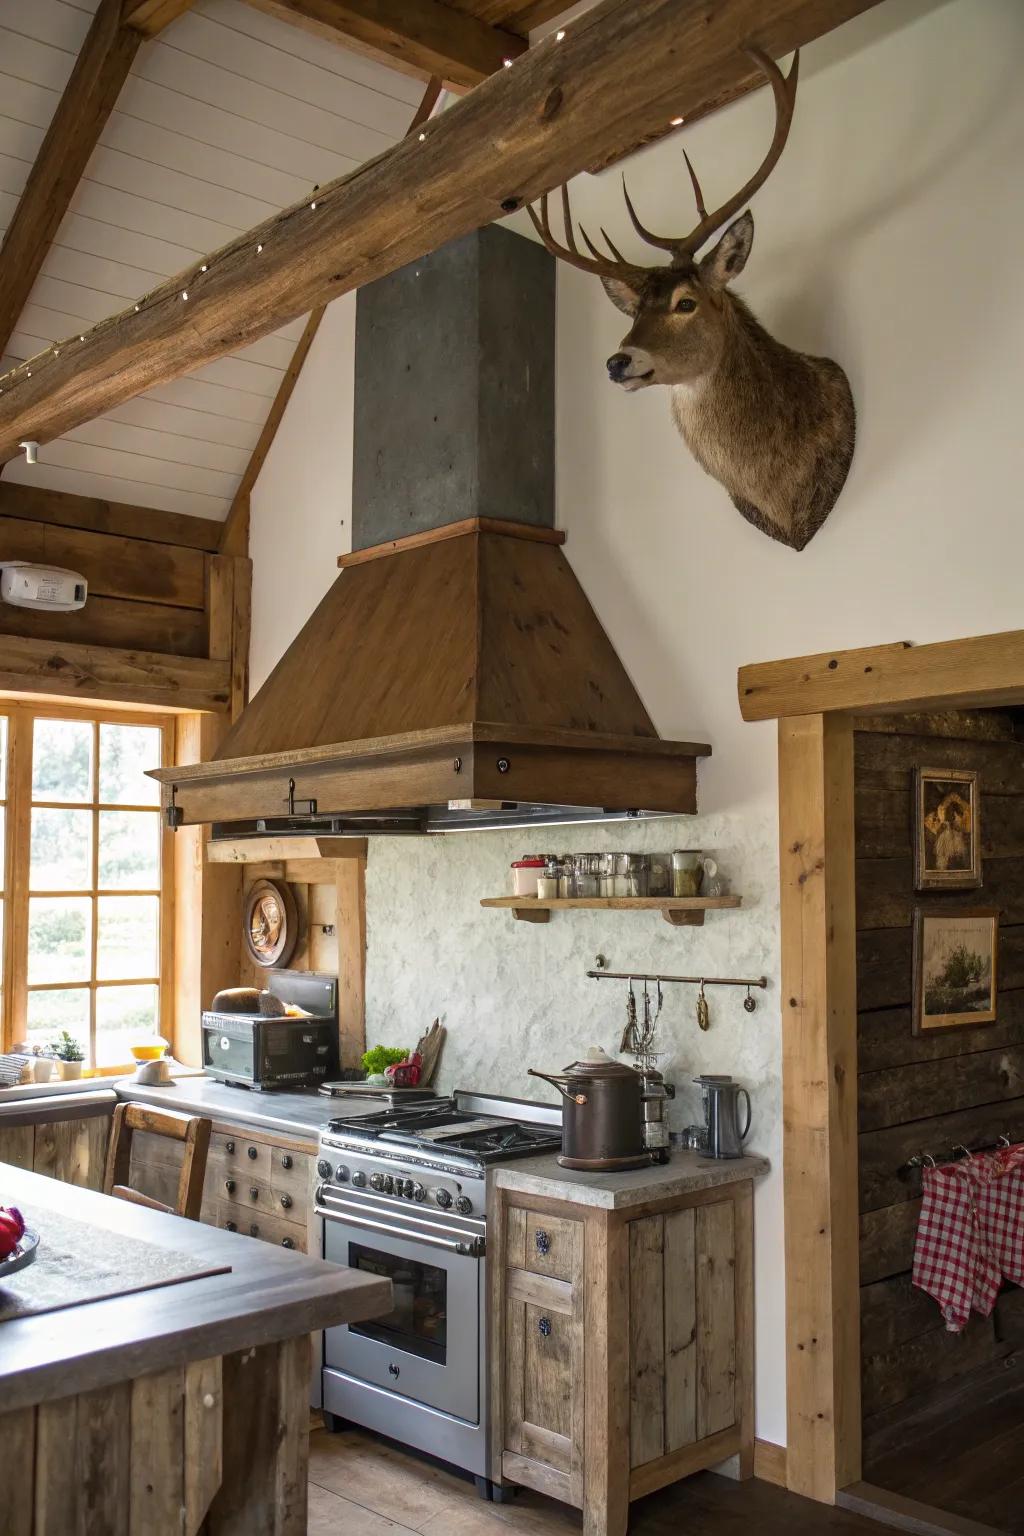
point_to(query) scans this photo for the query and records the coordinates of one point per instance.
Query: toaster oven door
(229, 1051)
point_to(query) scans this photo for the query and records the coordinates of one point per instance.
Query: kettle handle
(574, 1098)
(746, 1129)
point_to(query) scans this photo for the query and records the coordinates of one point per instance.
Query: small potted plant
(68, 1054)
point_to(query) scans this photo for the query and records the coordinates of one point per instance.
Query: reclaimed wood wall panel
(919, 1095)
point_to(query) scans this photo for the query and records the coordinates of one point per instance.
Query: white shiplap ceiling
(224, 119)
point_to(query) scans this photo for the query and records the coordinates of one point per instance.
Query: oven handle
(473, 1249)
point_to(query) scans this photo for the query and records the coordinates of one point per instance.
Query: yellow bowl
(149, 1050)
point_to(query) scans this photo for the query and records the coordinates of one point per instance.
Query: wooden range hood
(459, 671)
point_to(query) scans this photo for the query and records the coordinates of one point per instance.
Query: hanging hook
(749, 1002)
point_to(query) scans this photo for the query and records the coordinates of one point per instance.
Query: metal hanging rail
(695, 981)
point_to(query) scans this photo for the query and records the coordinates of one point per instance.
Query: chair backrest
(193, 1130)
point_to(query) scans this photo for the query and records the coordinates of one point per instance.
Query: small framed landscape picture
(956, 962)
(947, 834)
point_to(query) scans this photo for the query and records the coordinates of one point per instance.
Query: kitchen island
(173, 1408)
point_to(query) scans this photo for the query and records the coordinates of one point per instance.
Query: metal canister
(602, 1113)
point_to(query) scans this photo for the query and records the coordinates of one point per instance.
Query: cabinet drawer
(244, 1190)
(544, 1245)
(251, 1223)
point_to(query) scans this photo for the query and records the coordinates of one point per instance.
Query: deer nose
(618, 366)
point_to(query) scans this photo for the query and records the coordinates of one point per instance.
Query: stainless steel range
(404, 1194)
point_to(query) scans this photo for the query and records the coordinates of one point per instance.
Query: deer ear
(622, 295)
(729, 256)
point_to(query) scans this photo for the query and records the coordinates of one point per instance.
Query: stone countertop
(686, 1172)
(303, 1113)
(264, 1294)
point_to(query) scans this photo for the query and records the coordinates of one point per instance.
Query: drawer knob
(543, 1242)
(229, 1146)
(287, 1242)
(232, 1226)
(287, 1202)
(229, 1185)
(544, 1326)
(254, 1230)
(286, 1161)
(254, 1191)
(253, 1153)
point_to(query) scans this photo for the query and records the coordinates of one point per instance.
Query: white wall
(888, 237)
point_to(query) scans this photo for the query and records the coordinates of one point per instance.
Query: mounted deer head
(774, 426)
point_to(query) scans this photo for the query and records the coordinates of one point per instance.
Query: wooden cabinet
(257, 1183)
(621, 1330)
(74, 1150)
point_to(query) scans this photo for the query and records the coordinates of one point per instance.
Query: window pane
(61, 851)
(59, 938)
(122, 1014)
(129, 926)
(126, 751)
(62, 760)
(130, 850)
(3, 757)
(50, 1012)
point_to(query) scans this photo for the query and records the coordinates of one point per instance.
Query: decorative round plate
(270, 926)
(22, 1257)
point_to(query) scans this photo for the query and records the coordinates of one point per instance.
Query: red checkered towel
(1001, 1212)
(951, 1262)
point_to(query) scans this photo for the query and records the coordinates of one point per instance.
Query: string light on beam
(184, 293)
(559, 36)
(507, 63)
(203, 268)
(259, 247)
(676, 122)
(422, 137)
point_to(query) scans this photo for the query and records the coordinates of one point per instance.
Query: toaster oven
(257, 1052)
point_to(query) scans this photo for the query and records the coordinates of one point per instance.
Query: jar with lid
(636, 869)
(526, 872)
(687, 872)
(586, 875)
(565, 875)
(614, 879)
(659, 882)
(547, 885)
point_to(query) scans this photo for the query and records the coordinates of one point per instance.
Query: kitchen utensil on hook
(703, 1012)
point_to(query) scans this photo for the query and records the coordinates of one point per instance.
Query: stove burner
(442, 1127)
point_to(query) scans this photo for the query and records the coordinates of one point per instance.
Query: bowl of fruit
(17, 1244)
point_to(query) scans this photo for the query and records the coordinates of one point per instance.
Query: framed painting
(956, 966)
(947, 832)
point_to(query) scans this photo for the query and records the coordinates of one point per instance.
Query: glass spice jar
(547, 885)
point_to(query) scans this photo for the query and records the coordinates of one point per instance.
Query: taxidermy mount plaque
(774, 426)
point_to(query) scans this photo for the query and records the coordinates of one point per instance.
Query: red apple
(12, 1230)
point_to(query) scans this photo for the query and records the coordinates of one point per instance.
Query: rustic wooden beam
(89, 96)
(420, 37)
(561, 108)
(819, 1092)
(985, 671)
(105, 672)
(33, 503)
(149, 17)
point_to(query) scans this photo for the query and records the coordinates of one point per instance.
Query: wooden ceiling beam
(525, 130)
(64, 509)
(419, 37)
(89, 96)
(149, 17)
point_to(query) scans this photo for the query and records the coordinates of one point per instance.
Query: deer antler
(684, 247)
(614, 266)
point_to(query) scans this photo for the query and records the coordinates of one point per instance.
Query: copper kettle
(602, 1113)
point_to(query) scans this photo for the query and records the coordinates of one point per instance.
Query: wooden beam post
(563, 106)
(351, 932)
(420, 37)
(819, 1023)
(149, 17)
(100, 71)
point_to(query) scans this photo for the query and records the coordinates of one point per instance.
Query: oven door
(427, 1347)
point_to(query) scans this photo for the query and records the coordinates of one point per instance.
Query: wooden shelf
(680, 911)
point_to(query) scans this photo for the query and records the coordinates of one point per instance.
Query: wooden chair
(193, 1130)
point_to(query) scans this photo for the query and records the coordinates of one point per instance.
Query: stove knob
(463, 1205)
(376, 1181)
(359, 1178)
(443, 1198)
(418, 1192)
(323, 1168)
(389, 1185)
(341, 1173)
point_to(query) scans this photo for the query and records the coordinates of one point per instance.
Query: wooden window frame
(21, 715)
(816, 701)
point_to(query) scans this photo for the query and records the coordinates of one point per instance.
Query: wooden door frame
(816, 700)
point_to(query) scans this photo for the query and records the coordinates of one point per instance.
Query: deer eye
(685, 306)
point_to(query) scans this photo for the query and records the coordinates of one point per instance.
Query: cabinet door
(73, 1150)
(682, 1329)
(544, 1368)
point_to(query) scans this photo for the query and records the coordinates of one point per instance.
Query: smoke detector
(25, 585)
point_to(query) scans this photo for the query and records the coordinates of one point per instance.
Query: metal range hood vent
(455, 676)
